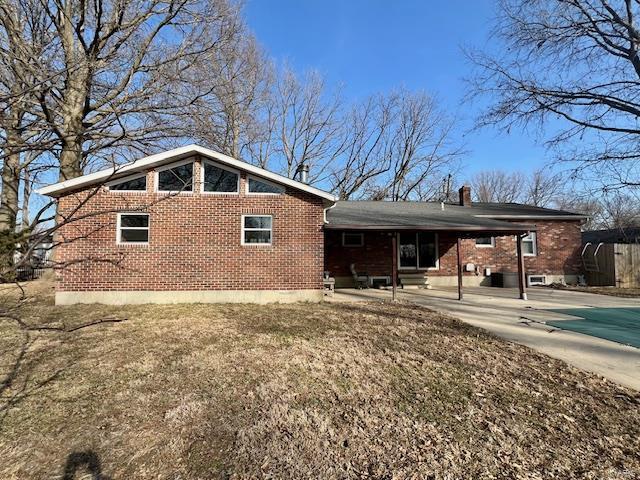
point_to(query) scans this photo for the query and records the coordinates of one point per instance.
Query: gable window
(352, 239)
(485, 242)
(219, 180)
(529, 245)
(133, 228)
(176, 178)
(129, 184)
(257, 229)
(263, 187)
(418, 250)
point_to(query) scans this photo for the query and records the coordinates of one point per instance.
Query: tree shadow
(81, 462)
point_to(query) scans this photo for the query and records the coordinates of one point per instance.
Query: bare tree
(308, 124)
(19, 58)
(497, 186)
(116, 72)
(574, 64)
(366, 156)
(230, 117)
(543, 187)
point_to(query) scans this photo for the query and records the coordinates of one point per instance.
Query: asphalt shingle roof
(433, 216)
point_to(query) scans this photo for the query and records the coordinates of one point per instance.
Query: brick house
(193, 225)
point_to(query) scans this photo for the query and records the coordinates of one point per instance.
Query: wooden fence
(618, 266)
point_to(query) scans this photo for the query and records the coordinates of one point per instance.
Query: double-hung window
(529, 245)
(257, 229)
(418, 250)
(176, 178)
(132, 228)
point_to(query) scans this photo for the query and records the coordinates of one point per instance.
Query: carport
(398, 218)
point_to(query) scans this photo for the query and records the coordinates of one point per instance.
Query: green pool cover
(621, 325)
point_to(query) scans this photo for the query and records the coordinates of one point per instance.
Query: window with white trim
(258, 186)
(485, 242)
(257, 229)
(350, 239)
(219, 180)
(133, 228)
(529, 245)
(176, 178)
(129, 184)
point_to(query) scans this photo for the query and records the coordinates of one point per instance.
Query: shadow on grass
(80, 462)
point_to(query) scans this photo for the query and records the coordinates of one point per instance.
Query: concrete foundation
(208, 296)
(469, 280)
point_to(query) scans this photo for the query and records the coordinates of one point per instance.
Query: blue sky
(370, 46)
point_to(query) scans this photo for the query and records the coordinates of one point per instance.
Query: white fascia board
(534, 217)
(170, 155)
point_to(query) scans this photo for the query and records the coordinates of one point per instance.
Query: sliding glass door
(417, 250)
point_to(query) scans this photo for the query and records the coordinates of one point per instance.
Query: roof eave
(513, 229)
(151, 161)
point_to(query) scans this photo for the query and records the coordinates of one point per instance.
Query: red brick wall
(194, 242)
(558, 252)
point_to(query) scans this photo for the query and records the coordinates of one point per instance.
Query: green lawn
(295, 391)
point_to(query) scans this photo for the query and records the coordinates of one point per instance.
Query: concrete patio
(499, 311)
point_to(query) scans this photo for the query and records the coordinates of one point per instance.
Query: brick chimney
(465, 195)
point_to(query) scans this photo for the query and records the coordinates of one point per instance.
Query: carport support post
(459, 252)
(394, 264)
(521, 280)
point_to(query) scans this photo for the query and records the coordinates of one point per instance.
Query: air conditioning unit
(536, 280)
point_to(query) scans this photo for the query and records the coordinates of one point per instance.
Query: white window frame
(260, 179)
(533, 238)
(221, 167)
(490, 245)
(243, 229)
(169, 167)
(119, 229)
(360, 244)
(127, 179)
(417, 267)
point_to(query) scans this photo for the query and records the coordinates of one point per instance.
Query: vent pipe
(304, 173)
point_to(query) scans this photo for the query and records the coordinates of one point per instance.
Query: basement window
(352, 239)
(257, 229)
(485, 242)
(129, 184)
(175, 178)
(133, 228)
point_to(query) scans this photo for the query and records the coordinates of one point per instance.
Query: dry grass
(612, 291)
(298, 391)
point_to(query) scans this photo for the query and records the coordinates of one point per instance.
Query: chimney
(304, 173)
(465, 195)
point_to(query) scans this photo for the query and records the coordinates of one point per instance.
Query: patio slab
(499, 311)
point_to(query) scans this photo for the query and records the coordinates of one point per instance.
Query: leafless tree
(366, 156)
(308, 124)
(230, 118)
(116, 72)
(497, 186)
(543, 187)
(573, 65)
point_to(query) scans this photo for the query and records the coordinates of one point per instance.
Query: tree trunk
(10, 186)
(70, 158)
(26, 196)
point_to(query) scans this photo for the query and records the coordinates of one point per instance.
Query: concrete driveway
(500, 312)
